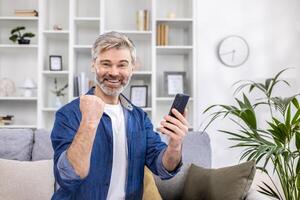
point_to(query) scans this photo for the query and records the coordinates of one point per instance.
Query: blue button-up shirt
(144, 148)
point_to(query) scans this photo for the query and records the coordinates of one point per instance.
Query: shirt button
(106, 184)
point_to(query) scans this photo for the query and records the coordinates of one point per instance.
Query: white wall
(272, 29)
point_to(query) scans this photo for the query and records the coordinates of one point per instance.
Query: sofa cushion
(196, 149)
(172, 189)
(150, 189)
(214, 184)
(42, 148)
(16, 144)
(26, 180)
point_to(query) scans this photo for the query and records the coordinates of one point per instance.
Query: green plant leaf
(267, 190)
(297, 138)
(296, 103)
(14, 38)
(30, 35)
(17, 29)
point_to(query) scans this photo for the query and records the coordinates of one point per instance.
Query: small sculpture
(7, 87)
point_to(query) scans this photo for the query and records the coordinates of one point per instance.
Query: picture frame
(55, 63)
(175, 82)
(139, 95)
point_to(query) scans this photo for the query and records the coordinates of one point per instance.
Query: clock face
(233, 51)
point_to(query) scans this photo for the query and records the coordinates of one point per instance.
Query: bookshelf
(81, 23)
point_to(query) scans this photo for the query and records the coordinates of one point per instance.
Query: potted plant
(58, 93)
(278, 144)
(17, 35)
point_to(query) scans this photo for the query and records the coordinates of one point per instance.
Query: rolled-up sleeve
(65, 168)
(62, 135)
(155, 150)
(162, 171)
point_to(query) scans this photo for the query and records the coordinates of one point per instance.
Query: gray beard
(108, 91)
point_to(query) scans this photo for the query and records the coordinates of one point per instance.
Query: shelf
(86, 19)
(137, 73)
(49, 109)
(18, 98)
(54, 73)
(82, 48)
(16, 18)
(18, 126)
(174, 49)
(24, 46)
(134, 32)
(180, 23)
(174, 20)
(64, 34)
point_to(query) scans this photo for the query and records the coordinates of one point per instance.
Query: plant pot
(24, 41)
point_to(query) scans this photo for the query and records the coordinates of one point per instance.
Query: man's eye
(122, 65)
(106, 64)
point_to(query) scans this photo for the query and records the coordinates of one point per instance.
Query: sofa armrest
(252, 194)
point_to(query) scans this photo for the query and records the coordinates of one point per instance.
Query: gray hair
(112, 40)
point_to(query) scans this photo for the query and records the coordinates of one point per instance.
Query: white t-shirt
(117, 189)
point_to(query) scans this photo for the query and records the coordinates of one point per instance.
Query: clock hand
(226, 53)
(233, 52)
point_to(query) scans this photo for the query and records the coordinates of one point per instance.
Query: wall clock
(233, 51)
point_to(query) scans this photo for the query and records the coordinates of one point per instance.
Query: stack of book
(6, 120)
(26, 13)
(142, 20)
(82, 84)
(162, 35)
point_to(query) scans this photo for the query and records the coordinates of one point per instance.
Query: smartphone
(179, 103)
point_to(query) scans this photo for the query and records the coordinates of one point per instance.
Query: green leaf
(296, 103)
(14, 38)
(17, 29)
(267, 190)
(297, 137)
(30, 35)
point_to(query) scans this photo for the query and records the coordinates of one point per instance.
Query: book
(166, 38)
(146, 20)
(158, 35)
(26, 13)
(140, 20)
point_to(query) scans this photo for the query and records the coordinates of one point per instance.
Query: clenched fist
(91, 108)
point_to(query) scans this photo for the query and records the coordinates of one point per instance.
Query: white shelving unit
(82, 22)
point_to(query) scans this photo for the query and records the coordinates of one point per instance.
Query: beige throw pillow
(26, 180)
(150, 190)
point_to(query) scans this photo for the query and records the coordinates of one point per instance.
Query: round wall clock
(233, 51)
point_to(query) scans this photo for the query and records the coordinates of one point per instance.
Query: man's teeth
(113, 81)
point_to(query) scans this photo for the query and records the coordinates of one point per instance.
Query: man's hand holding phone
(175, 125)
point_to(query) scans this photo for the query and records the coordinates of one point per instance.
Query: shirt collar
(123, 100)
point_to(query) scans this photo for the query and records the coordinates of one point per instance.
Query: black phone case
(179, 103)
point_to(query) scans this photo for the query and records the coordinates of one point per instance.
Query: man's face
(113, 70)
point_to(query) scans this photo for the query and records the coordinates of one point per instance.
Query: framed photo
(174, 82)
(55, 63)
(138, 95)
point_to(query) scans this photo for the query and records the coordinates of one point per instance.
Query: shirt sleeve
(65, 168)
(154, 152)
(62, 135)
(162, 171)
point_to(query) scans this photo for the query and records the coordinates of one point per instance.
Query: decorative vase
(24, 41)
(57, 102)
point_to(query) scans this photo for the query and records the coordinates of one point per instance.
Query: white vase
(57, 102)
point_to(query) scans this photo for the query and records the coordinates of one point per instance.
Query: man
(102, 142)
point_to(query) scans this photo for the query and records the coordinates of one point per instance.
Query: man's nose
(114, 70)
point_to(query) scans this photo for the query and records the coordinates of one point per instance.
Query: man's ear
(133, 66)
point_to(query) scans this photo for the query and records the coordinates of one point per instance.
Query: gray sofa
(28, 145)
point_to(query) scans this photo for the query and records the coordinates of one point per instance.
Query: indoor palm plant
(278, 144)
